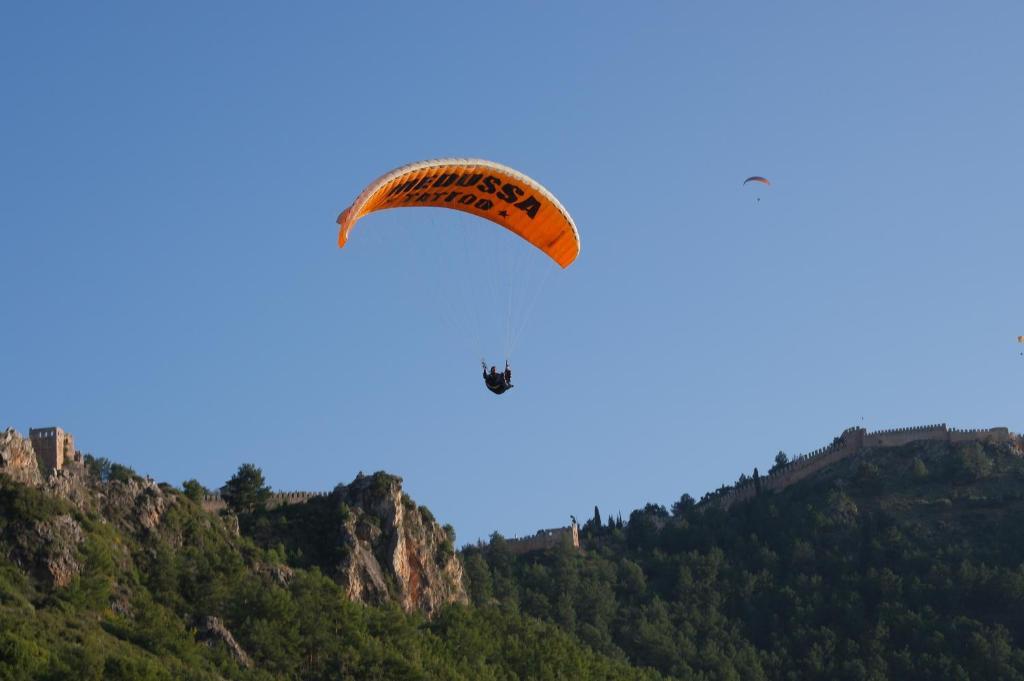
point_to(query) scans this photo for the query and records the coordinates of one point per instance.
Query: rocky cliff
(373, 540)
(369, 536)
(18, 459)
(388, 535)
(48, 541)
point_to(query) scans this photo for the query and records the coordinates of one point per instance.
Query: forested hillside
(106, 575)
(899, 563)
(895, 563)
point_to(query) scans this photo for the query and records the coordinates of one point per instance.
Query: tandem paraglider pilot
(495, 382)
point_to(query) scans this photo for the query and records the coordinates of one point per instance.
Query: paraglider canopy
(486, 189)
(757, 178)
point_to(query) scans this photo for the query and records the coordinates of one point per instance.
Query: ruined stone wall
(545, 539)
(214, 502)
(53, 446)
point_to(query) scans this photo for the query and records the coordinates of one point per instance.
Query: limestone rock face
(394, 549)
(18, 459)
(50, 549)
(73, 484)
(136, 503)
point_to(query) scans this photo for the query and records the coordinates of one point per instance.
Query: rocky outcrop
(18, 459)
(74, 485)
(370, 536)
(49, 546)
(281, 575)
(211, 630)
(361, 573)
(136, 503)
(49, 549)
(395, 550)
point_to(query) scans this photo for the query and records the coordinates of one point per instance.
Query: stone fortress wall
(213, 502)
(850, 442)
(55, 450)
(546, 539)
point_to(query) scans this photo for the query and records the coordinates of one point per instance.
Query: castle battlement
(936, 427)
(213, 501)
(852, 441)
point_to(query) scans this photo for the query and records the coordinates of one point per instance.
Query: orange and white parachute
(757, 178)
(485, 189)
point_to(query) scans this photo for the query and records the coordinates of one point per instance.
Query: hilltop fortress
(852, 441)
(53, 449)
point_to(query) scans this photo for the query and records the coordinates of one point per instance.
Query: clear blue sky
(172, 293)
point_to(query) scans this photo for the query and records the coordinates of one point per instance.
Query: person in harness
(495, 382)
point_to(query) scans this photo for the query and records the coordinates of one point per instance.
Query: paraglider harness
(495, 382)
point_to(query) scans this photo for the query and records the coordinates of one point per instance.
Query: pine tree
(246, 490)
(685, 503)
(780, 462)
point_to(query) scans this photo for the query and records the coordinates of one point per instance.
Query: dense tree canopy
(877, 568)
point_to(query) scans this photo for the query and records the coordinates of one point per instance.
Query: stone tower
(53, 447)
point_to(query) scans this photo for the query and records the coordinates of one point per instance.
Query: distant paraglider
(758, 179)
